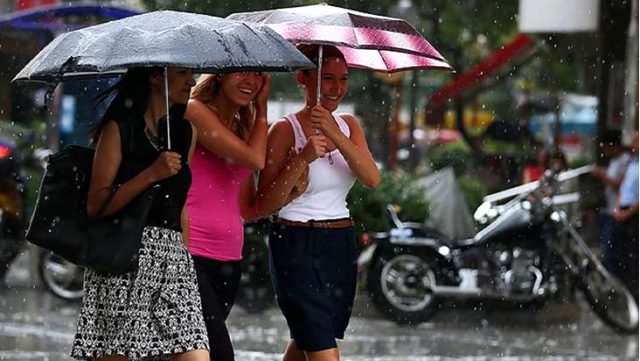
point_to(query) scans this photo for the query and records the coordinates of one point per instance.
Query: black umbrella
(163, 38)
(166, 39)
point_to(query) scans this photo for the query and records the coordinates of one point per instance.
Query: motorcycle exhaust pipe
(458, 292)
(454, 291)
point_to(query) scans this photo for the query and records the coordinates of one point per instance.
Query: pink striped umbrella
(367, 41)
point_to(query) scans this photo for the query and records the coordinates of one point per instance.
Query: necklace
(153, 140)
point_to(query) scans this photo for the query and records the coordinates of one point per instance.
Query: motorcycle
(65, 280)
(527, 252)
(12, 197)
(15, 156)
(61, 277)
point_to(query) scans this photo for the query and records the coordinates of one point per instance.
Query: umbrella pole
(166, 104)
(319, 75)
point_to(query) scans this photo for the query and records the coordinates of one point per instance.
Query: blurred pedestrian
(156, 309)
(229, 112)
(312, 243)
(611, 176)
(557, 162)
(626, 214)
(534, 168)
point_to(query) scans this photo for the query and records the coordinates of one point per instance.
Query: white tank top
(330, 180)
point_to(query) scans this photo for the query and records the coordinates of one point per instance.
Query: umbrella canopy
(389, 61)
(368, 41)
(163, 38)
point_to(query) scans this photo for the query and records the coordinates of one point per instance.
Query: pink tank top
(215, 225)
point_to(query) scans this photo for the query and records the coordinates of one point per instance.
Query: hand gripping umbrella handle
(166, 104)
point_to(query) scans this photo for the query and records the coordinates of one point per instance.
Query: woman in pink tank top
(229, 113)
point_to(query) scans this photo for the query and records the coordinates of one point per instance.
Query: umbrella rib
(258, 36)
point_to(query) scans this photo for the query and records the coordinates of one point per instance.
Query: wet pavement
(34, 325)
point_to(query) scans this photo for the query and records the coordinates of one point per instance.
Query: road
(34, 325)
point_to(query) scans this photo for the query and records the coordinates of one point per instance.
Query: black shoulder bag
(60, 223)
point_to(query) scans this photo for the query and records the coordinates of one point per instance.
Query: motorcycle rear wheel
(609, 298)
(61, 277)
(400, 286)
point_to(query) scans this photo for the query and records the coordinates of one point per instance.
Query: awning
(522, 47)
(48, 18)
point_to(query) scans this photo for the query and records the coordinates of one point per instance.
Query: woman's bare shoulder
(281, 134)
(196, 109)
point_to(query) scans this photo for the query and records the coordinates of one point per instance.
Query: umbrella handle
(319, 79)
(319, 74)
(166, 104)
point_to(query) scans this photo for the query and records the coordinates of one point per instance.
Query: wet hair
(208, 87)
(130, 97)
(312, 51)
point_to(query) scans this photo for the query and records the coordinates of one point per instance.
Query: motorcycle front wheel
(400, 285)
(61, 277)
(609, 298)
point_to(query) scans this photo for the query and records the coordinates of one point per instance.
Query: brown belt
(338, 223)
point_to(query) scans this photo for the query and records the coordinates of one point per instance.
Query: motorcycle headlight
(444, 250)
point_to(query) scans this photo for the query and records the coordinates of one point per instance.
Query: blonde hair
(207, 88)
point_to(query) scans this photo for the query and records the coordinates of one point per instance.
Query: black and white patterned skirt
(152, 312)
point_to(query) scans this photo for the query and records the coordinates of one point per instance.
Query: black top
(140, 154)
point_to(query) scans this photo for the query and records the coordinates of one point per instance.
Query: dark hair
(311, 51)
(611, 137)
(558, 155)
(536, 147)
(130, 97)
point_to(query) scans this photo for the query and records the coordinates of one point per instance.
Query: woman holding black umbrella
(312, 243)
(155, 310)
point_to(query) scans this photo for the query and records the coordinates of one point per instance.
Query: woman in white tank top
(313, 159)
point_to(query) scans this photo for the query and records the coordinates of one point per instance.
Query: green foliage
(368, 206)
(580, 161)
(456, 155)
(475, 28)
(520, 151)
(473, 191)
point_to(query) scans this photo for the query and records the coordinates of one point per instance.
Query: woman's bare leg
(293, 353)
(332, 354)
(111, 358)
(194, 355)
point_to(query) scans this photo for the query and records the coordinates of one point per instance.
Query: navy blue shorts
(314, 272)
